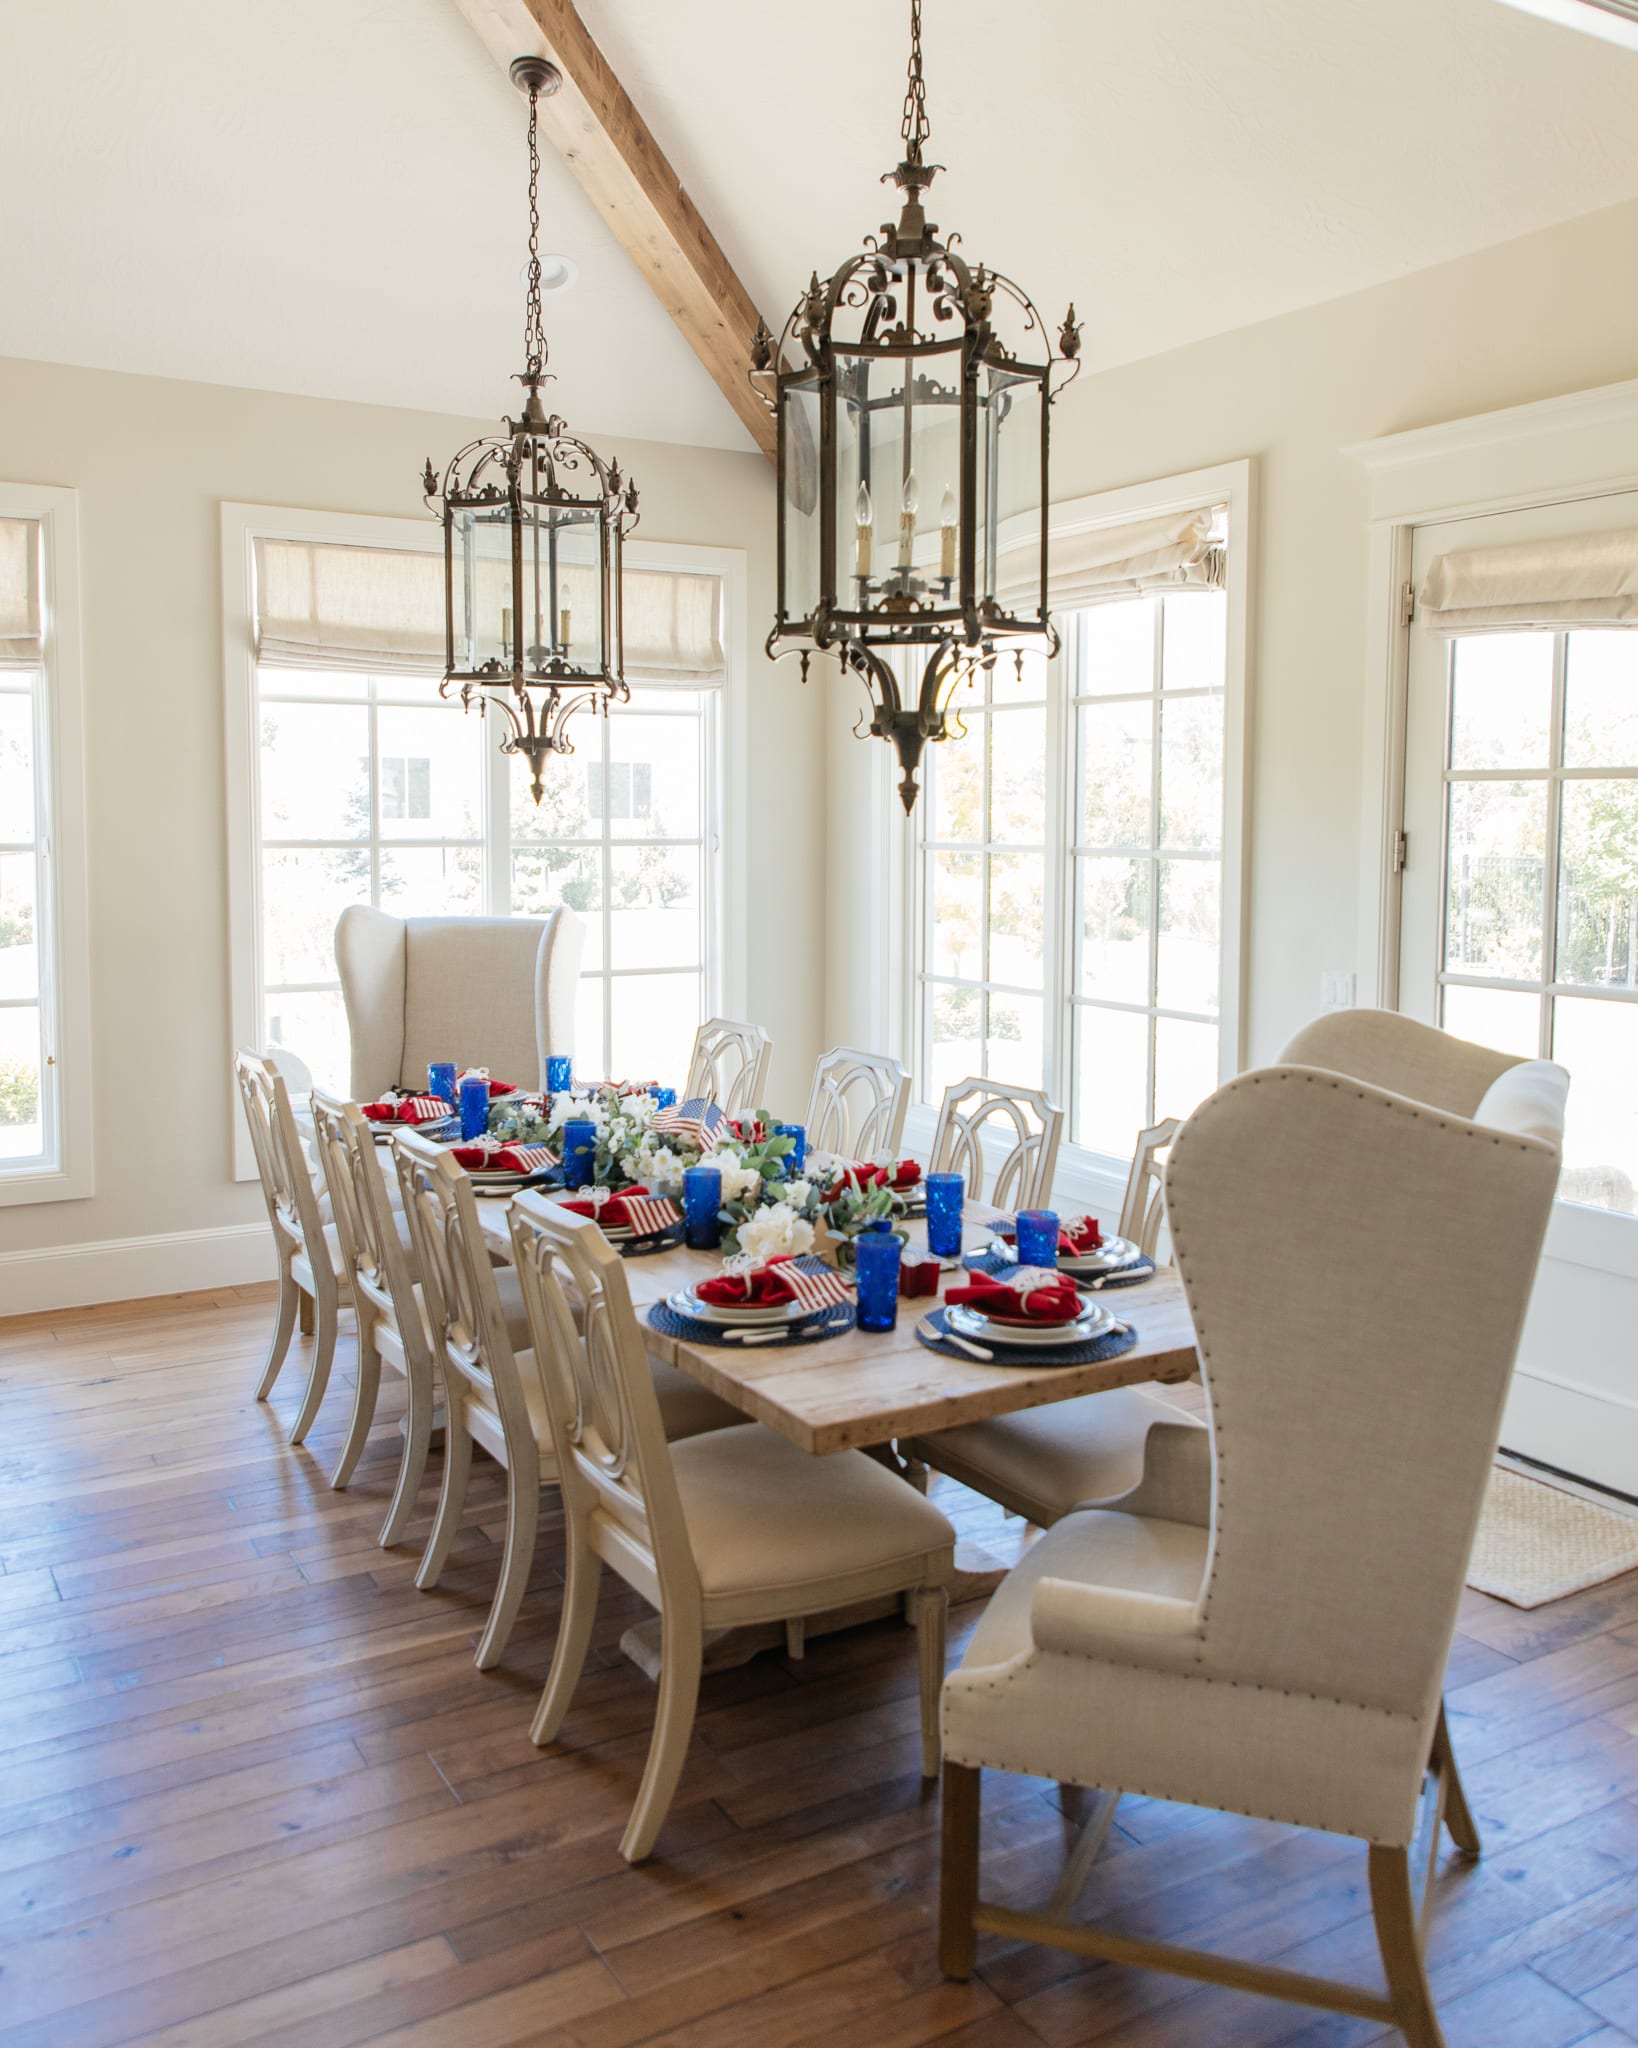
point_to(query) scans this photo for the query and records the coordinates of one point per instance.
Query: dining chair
(495, 992)
(1022, 1115)
(858, 1105)
(727, 1529)
(493, 1395)
(373, 1235)
(1261, 1626)
(308, 1254)
(729, 1065)
(1042, 1462)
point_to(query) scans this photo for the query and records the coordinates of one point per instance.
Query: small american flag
(698, 1118)
(533, 1158)
(648, 1214)
(813, 1288)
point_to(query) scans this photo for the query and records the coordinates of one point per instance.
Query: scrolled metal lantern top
(533, 524)
(912, 392)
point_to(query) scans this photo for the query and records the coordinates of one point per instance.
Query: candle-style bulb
(864, 514)
(947, 535)
(909, 499)
(910, 496)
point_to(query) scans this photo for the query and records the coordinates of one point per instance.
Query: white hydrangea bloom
(775, 1230)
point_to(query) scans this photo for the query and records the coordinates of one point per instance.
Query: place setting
(1031, 1316)
(1073, 1244)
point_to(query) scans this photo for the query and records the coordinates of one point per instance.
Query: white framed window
(45, 1046)
(352, 780)
(1076, 861)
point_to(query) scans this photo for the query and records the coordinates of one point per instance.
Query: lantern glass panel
(898, 428)
(562, 585)
(800, 589)
(481, 585)
(1012, 516)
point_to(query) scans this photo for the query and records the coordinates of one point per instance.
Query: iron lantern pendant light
(533, 524)
(912, 393)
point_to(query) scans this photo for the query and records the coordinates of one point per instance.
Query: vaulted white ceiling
(321, 196)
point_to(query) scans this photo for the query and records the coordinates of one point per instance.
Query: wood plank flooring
(256, 1792)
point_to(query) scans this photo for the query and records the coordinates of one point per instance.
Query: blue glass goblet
(559, 1074)
(474, 1109)
(1037, 1237)
(441, 1080)
(579, 1152)
(702, 1199)
(876, 1256)
(945, 1195)
(797, 1157)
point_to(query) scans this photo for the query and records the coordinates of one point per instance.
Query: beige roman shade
(19, 593)
(319, 605)
(1173, 551)
(1584, 579)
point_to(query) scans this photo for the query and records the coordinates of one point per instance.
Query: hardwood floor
(256, 1791)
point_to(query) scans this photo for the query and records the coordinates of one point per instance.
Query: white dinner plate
(1110, 1256)
(687, 1303)
(1093, 1320)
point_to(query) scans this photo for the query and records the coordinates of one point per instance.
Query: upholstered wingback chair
(1262, 1625)
(495, 992)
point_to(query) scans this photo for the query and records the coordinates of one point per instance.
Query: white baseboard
(130, 1268)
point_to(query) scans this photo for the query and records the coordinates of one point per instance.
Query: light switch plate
(1336, 989)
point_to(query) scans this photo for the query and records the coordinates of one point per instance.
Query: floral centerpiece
(863, 1196)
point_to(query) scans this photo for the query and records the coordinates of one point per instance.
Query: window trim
(1084, 1176)
(727, 792)
(66, 1001)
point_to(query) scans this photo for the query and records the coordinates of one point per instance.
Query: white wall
(1549, 313)
(152, 460)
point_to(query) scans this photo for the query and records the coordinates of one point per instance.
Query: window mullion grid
(1553, 826)
(375, 796)
(1153, 862)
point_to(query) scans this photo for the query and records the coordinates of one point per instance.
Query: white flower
(738, 1182)
(773, 1230)
(795, 1192)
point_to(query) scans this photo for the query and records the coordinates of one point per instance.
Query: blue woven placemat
(1140, 1268)
(1094, 1351)
(831, 1323)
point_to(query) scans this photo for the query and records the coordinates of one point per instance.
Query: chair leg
(1458, 1814)
(1399, 1938)
(932, 1606)
(290, 1297)
(451, 1498)
(412, 1466)
(522, 1520)
(318, 1379)
(958, 1872)
(582, 1576)
(366, 1389)
(305, 1310)
(796, 1635)
(681, 1654)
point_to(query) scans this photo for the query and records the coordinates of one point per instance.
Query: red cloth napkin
(900, 1175)
(1076, 1236)
(505, 1158)
(1056, 1302)
(495, 1087)
(407, 1109)
(633, 1208)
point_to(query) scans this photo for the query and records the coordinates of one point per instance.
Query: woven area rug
(1537, 1544)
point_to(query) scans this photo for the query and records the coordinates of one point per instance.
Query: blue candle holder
(665, 1098)
(579, 1152)
(474, 1109)
(559, 1074)
(945, 1194)
(441, 1080)
(1037, 1237)
(702, 1199)
(797, 1157)
(876, 1257)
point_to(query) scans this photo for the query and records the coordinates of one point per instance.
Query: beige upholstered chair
(1022, 1115)
(1042, 1462)
(495, 992)
(858, 1105)
(373, 1236)
(736, 1527)
(310, 1265)
(729, 1065)
(1261, 1626)
(480, 1336)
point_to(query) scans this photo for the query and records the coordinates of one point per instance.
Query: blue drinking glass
(665, 1098)
(797, 1157)
(474, 1109)
(945, 1195)
(702, 1198)
(1037, 1237)
(579, 1152)
(441, 1080)
(559, 1074)
(876, 1271)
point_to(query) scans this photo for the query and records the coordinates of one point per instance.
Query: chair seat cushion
(1045, 1461)
(769, 1524)
(1094, 1547)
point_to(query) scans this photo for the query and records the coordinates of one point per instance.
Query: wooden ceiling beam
(618, 164)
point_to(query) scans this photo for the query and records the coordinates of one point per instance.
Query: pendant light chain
(915, 127)
(534, 330)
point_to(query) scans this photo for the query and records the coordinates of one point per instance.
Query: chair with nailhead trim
(1261, 1625)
